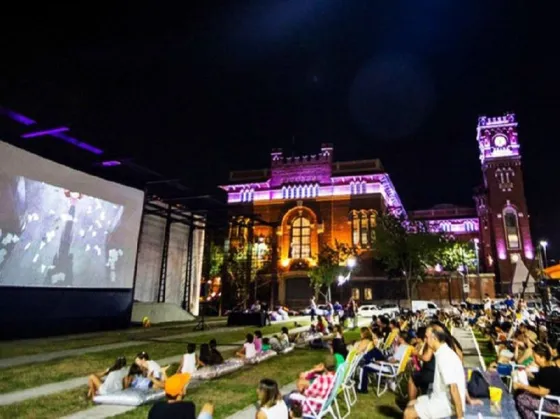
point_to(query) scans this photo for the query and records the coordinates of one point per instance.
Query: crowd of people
(436, 384)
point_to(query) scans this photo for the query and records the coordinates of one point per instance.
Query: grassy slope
(28, 376)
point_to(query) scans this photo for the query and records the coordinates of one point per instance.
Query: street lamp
(351, 262)
(544, 245)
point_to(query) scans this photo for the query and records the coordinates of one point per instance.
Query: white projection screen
(63, 228)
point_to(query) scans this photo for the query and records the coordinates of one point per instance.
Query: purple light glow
(22, 119)
(529, 254)
(77, 143)
(457, 226)
(45, 132)
(501, 246)
(110, 163)
(497, 137)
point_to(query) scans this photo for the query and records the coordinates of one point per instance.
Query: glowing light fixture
(285, 263)
(351, 262)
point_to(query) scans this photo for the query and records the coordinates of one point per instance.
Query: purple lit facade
(317, 201)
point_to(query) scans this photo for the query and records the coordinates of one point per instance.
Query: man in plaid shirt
(319, 388)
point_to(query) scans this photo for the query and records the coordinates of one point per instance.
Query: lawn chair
(348, 386)
(389, 341)
(395, 372)
(541, 413)
(328, 403)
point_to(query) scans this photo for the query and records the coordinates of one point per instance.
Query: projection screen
(63, 228)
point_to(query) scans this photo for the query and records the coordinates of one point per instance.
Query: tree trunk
(329, 296)
(408, 297)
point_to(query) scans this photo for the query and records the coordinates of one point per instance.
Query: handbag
(478, 386)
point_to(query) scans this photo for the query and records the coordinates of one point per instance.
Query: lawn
(485, 345)
(38, 346)
(28, 376)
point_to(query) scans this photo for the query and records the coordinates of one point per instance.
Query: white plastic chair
(390, 371)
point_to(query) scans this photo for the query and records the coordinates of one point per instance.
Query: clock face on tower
(500, 140)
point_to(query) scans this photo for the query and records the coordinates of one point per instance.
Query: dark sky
(196, 90)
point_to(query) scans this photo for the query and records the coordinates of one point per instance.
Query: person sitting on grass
(319, 389)
(137, 379)
(248, 351)
(205, 355)
(284, 339)
(258, 341)
(189, 361)
(151, 368)
(216, 357)
(339, 351)
(321, 327)
(266, 345)
(270, 402)
(108, 381)
(174, 407)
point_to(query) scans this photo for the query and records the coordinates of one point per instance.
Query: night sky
(195, 91)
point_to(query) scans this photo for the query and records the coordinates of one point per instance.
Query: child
(205, 354)
(284, 338)
(137, 379)
(258, 341)
(151, 368)
(216, 357)
(248, 350)
(109, 381)
(266, 345)
(189, 362)
(296, 411)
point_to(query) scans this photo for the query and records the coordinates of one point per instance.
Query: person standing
(351, 308)
(313, 307)
(449, 392)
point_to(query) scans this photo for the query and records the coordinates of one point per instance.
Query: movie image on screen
(55, 237)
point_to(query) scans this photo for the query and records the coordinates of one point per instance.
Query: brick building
(301, 203)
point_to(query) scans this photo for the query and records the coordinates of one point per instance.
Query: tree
(405, 248)
(456, 255)
(330, 265)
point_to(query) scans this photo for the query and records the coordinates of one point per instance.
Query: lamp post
(342, 279)
(544, 244)
(476, 242)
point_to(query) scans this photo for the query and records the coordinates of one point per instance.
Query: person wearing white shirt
(449, 393)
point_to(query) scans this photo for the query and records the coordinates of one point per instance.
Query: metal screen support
(164, 257)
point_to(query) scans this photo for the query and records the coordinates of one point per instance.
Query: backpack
(478, 387)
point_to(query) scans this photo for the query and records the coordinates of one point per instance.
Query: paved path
(52, 388)
(471, 353)
(49, 356)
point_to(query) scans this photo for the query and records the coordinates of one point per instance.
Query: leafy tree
(330, 265)
(405, 248)
(215, 260)
(454, 255)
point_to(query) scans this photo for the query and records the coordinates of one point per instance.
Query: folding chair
(329, 402)
(541, 413)
(394, 372)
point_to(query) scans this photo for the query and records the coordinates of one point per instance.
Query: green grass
(38, 346)
(229, 394)
(485, 345)
(31, 375)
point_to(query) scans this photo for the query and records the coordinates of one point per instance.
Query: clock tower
(501, 205)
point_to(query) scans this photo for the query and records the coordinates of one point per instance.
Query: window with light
(301, 238)
(363, 229)
(511, 226)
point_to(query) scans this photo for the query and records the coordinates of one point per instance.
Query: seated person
(189, 361)
(339, 351)
(248, 351)
(266, 345)
(205, 355)
(421, 379)
(321, 327)
(275, 344)
(174, 407)
(304, 337)
(257, 340)
(318, 389)
(373, 367)
(284, 338)
(108, 381)
(365, 341)
(151, 368)
(216, 357)
(137, 379)
(270, 403)
(545, 382)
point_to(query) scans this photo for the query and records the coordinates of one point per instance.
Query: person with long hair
(271, 404)
(544, 382)
(108, 381)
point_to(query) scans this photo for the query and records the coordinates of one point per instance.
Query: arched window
(363, 228)
(469, 226)
(301, 239)
(445, 227)
(511, 226)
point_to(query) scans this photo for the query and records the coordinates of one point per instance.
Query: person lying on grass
(108, 381)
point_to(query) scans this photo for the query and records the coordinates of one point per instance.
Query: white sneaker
(392, 385)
